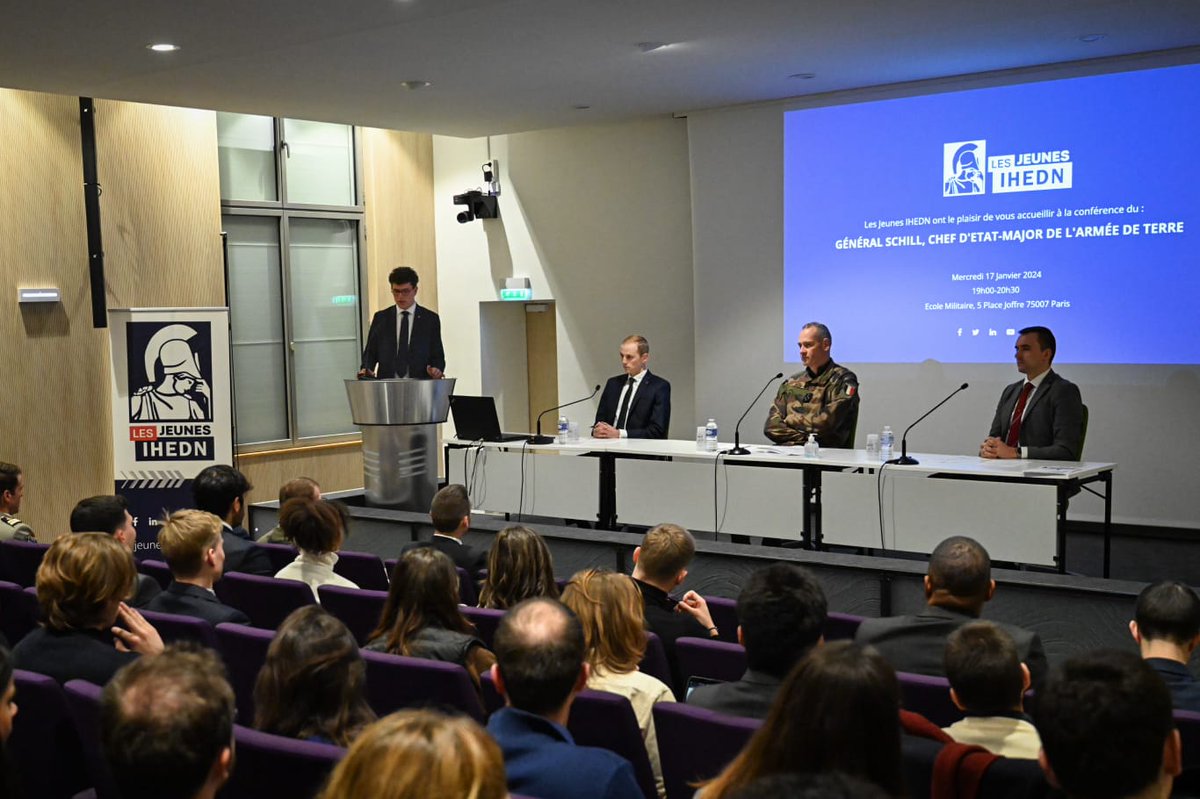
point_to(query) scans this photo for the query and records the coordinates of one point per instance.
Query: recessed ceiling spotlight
(650, 47)
(581, 107)
(163, 47)
(414, 85)
(803, 75)
(1091, 38)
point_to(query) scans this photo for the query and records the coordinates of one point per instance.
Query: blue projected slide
(935, 227)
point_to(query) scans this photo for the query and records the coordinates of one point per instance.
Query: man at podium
(406, 339)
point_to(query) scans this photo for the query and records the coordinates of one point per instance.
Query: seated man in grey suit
(1041, 416)
(781, 616)
(957, 585)
(192, 544)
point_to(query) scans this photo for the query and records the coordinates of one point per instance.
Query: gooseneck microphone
(904, 460)
(738, 449)
(541, 439)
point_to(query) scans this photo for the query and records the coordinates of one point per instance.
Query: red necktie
(1014, 430)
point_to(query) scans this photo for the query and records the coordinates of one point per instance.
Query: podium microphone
(904, 460)
(738, 449)
(541, 439)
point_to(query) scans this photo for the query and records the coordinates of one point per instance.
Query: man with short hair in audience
(540, 667)
(221, 490)
(109, 513)
(988, 682)
(192, 544)
(166, 725)
(12, 489)
(1166, 626)
(660, 566)
(958, 584)
(781, 615)
(1106, 728)
(450, 513)
(297, 488)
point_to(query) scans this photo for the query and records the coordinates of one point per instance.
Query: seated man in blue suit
(192, 544)
(636, 404)
(221, 490)
(1041, 416)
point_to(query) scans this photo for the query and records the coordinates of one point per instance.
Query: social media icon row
(975, 331)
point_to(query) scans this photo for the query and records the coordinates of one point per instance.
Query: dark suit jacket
(424, 344)
(183, 599)
(243, 555)
(71, 655)
(663, 621)
(916, 643)
(1053, 424)
(1185, 690)
(464, 556)
(649, 412)
(749, 697)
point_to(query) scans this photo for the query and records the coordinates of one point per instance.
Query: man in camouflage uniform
(12, 488)
(823, 399)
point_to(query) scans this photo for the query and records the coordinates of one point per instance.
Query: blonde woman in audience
(519, 568)
(317, 528)
(415, 754)
(610, 609)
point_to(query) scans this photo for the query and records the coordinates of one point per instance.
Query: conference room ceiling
(499, 66)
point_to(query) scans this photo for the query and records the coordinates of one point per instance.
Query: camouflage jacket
(825, 404)
(13, 529)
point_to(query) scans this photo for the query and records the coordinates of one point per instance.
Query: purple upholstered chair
(173, 627)
(696, 744)
(486, 620)
(654, 660)
(841, 626)
(244, 650)
(84, 700)
(20, 560)
(280, 555)
(492, 700)
(599, 718)
(716, 660)
(724, 615)
(44, 743)
(1188, 724)
(18, 611)
(363, 569)
(358, 608)
(929, 696)
(389, 566)
(271, 765)
(157, 569)
(266, 600)
(468, 594)
(395, 682)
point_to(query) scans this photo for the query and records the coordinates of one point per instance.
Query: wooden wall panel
(335, 467)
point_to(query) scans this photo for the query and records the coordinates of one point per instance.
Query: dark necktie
(1014, 429)
(623, 414)
(402, 347)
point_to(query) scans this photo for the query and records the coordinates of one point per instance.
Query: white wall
(599, 218)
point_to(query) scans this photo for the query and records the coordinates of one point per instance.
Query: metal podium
(399, 419)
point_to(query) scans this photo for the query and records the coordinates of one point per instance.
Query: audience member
(660, 566)
(415, 754)
(296, 488)
(988, 682)
(519, 568)
(109, 513)
(1106, 728)
(12, 489)
(540, 667)
(838, 710)
(312, 685)
(451, 517)
(421, 616)
(166, 724)
(782, 613)
(957, 585)
(221, 490)
(318, 529)
(82, 585)
(610, 609)
(8, 702)
(1166, 626)
(194, 549)
(827, 785)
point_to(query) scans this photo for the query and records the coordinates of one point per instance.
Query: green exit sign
(344, 299)
(516, 294)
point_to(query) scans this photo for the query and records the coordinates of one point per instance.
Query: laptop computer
(475, 419)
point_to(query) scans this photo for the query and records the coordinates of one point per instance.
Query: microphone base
(541, 439)
(904, 460)
(735, 451)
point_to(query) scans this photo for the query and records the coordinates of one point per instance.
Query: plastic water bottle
(564, 429)
(812, 449)
(887, 440)
(710, 435)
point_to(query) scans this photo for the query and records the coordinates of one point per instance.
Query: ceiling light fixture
(1091, 38)
(803, 75)
(414, 85)
(163, 47)
(650, 47)
(581, 107)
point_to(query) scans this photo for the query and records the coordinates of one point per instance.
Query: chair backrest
(173, 627)
(929, 696)
(841, 626)
(468, 594)
(1083, 426)
(606, 720)
(363, 569)
(715, 660)
(272, 765)
(44, 744)
(654, 660)
(696, 744)
(20, 560)
(266, 600)
(724, 616)
(395, 682)
(280, 555)
(486, 620)
(492, 700)
(1188, 724)
(358, 608)
(84, 700)
(244, 650)
(18, 611)
(157, 569)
